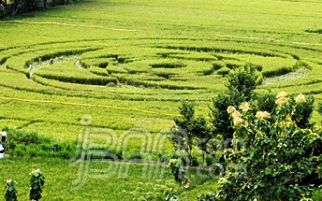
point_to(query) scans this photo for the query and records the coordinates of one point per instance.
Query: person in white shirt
(1, 151)
(3, 136)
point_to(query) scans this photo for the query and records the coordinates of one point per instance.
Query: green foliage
(182, 135)
(243, 81)
(317, 196)
(219, 116)
(177, 170)
(203, 135)
(10, 191)
(302, 110)
(207, 197)
(241, 84)
(31, 144)
(265, 101)
(37, 182)
(272, 158)
(320, 108)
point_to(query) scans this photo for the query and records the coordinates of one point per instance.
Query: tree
(203, 135)
(273, 158)
(37, 182)
(182, 134)
(240, 88)
(10, 191)
(244, 81)
(219, 117)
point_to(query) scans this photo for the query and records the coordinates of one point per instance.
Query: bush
(219, 116)
(210, 160)
(31, 144)
(243, 81)
(10, 191)
(37, 182)
(177, 170)
(265, 101)
(272, 158)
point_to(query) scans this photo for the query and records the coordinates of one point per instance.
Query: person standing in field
(1, 151)
(3, 136)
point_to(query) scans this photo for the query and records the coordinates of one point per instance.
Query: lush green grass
(104, 181)
(129, 63)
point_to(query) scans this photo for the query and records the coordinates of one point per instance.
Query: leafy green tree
(182, 135)
(272, 158)
(244, 81)
(10, 191)
(37, 182)
(219, 117)
(240, 87)
(203, 135)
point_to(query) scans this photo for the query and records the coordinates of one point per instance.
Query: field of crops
(127, 64)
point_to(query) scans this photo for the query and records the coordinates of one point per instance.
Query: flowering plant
(276, 154)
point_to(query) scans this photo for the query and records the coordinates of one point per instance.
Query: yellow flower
(300, 99)
(281, 100)
(237, 121)
(281, 94)
(231, 109)
(236, 114)
(263, 115)
(244, 106)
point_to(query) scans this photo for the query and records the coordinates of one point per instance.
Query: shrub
(31, 144)
(219, 116)
(37, 182)
(272, 158)
(265, 101)
(177, 170)
(10, 191)
(243, 81)
(302, 110)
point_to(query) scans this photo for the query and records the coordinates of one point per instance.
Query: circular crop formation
(170, 64)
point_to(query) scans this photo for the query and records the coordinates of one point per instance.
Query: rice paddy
(128, 64)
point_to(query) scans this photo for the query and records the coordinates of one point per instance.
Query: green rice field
(127, 64)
